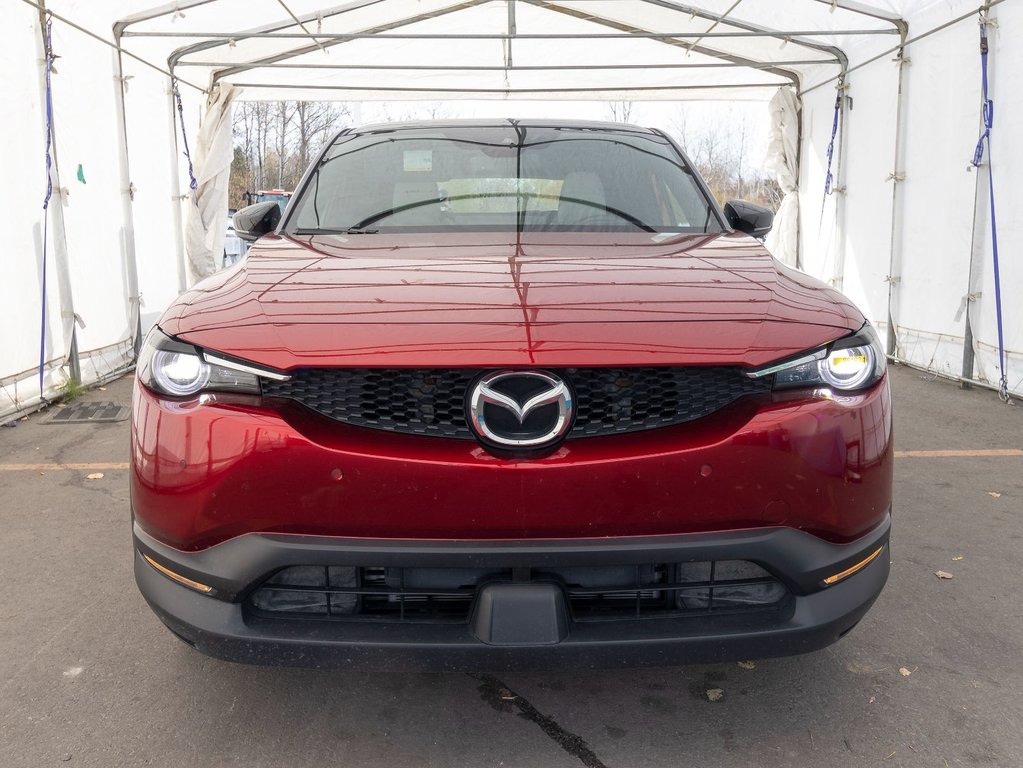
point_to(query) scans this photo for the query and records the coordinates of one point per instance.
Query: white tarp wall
(116, 250)
(21, 195)
(92, 273)
(924, 261)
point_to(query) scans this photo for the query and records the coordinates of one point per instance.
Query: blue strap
(978, 156)
(828, 178)
(46, 199)
(192, 183)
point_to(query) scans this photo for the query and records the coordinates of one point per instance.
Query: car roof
(582, 125)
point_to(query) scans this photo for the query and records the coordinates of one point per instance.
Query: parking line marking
(956, 454)
(55, 467)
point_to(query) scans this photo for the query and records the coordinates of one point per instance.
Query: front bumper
(222, 466)
(223, 624)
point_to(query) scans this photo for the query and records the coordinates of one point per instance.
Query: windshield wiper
(329, 231)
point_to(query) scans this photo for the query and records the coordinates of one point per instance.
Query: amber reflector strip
(178, 577)
(850, 571)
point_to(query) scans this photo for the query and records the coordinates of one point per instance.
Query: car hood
(502, 299)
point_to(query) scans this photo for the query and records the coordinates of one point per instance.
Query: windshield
(523, 178)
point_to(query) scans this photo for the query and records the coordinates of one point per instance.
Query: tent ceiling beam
(345, 36)
(630, 30)
(853, 6)
(508, 91)
(517, 67)
(719, 19)
(228, 71)
(155, 13)
(802, 42)
(115, 46)
(905, 41)
(339, 10)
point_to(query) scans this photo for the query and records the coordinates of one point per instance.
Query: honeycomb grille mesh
(431, 401)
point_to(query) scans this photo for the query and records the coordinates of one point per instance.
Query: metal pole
(68, 317)
(520, 68)
(905, 41)
(179, 227)
(511, 34)
(838, 273)
(685, 35)
(127, 210)
(799, 180)
(505, 91)
(897, 177)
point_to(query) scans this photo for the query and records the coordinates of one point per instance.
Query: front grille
(431, 401)
(446, 595)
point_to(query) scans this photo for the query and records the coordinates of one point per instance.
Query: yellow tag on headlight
(861, 359)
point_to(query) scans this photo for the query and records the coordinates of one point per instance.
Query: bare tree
(283, 113)
(620, 111)
(276, 141)
(260, 115)
(721, 152)
(314, 121)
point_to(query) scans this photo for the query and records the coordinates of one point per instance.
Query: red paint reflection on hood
(505, 299)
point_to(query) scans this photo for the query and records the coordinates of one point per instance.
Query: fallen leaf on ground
(994, 494)
(747, 665)
(94, 476)
(904, 672)
(943, 574)
(715, 694)
(872, 700)
(957, 558)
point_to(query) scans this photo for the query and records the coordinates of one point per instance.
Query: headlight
(174, 368)
(852, 363)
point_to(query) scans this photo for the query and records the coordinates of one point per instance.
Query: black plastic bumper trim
(237, 565)
(223, 627)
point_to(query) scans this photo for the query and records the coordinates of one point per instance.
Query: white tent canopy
(904, 232)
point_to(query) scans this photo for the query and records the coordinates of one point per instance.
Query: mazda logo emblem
(520, 409)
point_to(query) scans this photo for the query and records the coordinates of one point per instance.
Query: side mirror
(746, 217)
(254, 221)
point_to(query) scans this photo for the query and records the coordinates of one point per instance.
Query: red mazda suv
(492, 393)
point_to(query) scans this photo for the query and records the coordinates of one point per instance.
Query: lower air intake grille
(446, 595)
(431, 401)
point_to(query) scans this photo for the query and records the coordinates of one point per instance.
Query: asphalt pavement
(933, 676)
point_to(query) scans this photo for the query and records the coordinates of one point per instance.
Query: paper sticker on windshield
(418, 160)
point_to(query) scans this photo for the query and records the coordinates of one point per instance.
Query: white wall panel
(155, 165)
(1007, 86)
(85, 120)
(21, 196)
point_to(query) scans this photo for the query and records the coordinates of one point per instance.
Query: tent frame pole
(897, 177)
(176, 197)
(69, 353)
(347, 36)
(127, 200)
